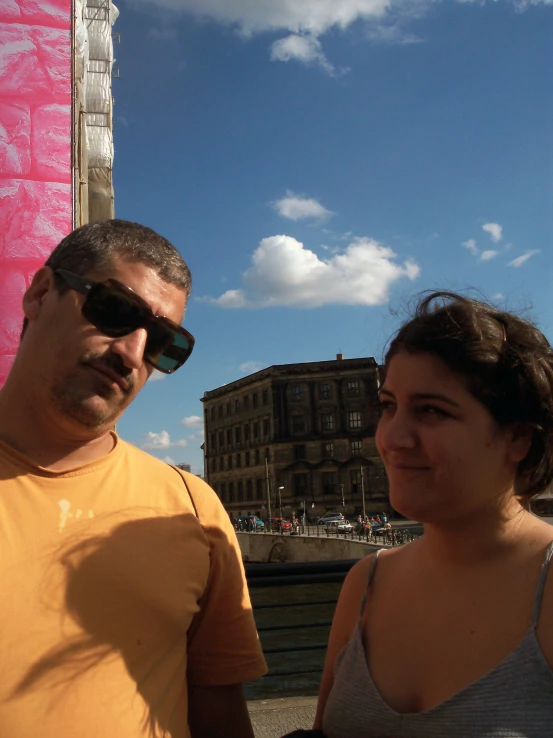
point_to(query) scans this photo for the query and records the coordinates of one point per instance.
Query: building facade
(294, 437)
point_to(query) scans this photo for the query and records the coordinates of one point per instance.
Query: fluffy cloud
(295, 207)
(156, 441)
(495, 231)
(285, 273)
(297, 16)
(471, 246)
(250, 367)
(192, 421)
(156, 376)
(489, 254)
(520, 260)
(305, 49)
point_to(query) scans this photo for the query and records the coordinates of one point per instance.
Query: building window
(268, 454)
(329, 483)
(238, 435)
(327, 422)
(223, 492)
(299, 452)
(265, 396)
(300, 484)
(249, 490)
(221, 463)
(229, 437)
(328, 450)
(246, 401)
(240, 491)
(238, 461)
(237, 405)
(298, 423)
(220, 411)
(229, 461)
(247, 462)
(266, 428)
(255, 399)
(258, 489)
(353, 388)
(257, 457)
(355, 447)
(355, 481)
(212, 442)
(213, 465)
(228, 408)
(354, 420)
(231, 491)
(297, 392)
(256, 430)
(325, 392)
(213, 413)
(221, 439)
(246, 432)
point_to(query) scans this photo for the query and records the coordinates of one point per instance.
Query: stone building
(296, 435)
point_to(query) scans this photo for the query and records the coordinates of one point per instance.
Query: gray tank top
(514, 700)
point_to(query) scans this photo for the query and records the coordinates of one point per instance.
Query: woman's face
(445, 456)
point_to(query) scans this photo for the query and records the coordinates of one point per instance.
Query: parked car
(281, 524)
(324, 519)
(338, 526)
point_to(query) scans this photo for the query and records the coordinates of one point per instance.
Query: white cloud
(305, 49)
(295, 207)
(156, 376)
(162, 34)
(498, 297)
(296, 16)
(198, 436)
(284, 273)
(495, 231)
(519, 261)
(156, 441)
(169, 460)
(489, 254)
(471, 246)
(250, 367)
(192, 421)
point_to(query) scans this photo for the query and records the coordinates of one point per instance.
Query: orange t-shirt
(114, 596)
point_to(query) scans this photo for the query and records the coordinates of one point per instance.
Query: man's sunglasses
(116, 311)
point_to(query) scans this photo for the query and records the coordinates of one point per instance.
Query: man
(124, 611)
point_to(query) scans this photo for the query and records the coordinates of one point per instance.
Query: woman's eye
(433, 410)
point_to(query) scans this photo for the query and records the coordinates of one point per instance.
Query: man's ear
(41, 285)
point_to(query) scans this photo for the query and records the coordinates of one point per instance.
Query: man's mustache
(114, 363)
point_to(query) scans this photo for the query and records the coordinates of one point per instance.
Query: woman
(451, 636)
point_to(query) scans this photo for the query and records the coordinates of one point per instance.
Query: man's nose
(131, 348)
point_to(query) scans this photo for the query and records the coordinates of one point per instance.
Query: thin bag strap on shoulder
(181, 475)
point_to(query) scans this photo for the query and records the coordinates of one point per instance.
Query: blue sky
(318, 163)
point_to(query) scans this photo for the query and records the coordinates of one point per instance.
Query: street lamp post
(343, 500)
(280, 506)
(268, 494)
(363, 493)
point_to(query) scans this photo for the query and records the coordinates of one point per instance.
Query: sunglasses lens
(166, 349)
(111, 311)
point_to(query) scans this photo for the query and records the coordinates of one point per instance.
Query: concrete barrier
(277, 548)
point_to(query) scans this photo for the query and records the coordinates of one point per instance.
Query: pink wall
(36, 203)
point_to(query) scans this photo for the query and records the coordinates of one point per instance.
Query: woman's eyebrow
(424, 396)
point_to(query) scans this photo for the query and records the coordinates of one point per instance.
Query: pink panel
(51, 132)
(36, 200)
(15, 139)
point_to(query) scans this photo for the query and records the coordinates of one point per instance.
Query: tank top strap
(541, 584)
(372, 572)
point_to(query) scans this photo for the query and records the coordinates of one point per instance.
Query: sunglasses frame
(85, 287)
